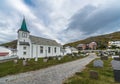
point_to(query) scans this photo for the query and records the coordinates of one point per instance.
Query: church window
(24, 34)
(55, 49)
(49, 49)
(24, 53)
(41, 49)
(24, 48)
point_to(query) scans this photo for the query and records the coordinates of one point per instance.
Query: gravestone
(98, 63)
(59, 58)
(15, 61)
(45, 59)
(24, 62)
(104, 57)
(115, 64)
(36, 59)
(116, 68)
(117, 58)
(73, 54)
(28, 59)
(78, 55)
(54, 58)
(93, 74)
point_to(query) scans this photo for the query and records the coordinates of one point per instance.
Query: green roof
(24, 26)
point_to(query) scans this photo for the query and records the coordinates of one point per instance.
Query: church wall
(24, 53)
(37, 52)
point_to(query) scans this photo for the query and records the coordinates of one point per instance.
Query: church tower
(23, 44)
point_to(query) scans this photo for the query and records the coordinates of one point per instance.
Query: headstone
(36, 59)
(54, 58)
(59, 58)
(73, 54)
(117, 75)
(116, 68)
(104, 57)
(45, 59)
(117, 58)
(28, 59)
(115, 64)
(24, 62)
(15, 61)
(93, 74)
(98, 63)
(78, 55)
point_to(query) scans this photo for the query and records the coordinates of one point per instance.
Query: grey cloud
(91, 19)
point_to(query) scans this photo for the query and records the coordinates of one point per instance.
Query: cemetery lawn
(106, 75)
(9, 67)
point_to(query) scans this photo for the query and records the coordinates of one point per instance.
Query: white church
(29, 46)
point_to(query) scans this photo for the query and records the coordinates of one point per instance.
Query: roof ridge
(42, 37)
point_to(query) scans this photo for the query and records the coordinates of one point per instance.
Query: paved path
(52, 75)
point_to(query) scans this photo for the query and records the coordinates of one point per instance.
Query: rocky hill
(12, 44)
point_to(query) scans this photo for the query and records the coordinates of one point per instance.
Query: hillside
(101, 40)
(12, 44)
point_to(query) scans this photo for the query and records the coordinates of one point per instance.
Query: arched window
(24, 34)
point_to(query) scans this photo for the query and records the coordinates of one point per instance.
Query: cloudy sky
(62, 20)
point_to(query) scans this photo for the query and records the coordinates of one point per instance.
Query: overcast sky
(62, 20)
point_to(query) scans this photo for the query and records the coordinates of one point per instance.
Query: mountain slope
(12, 44)
(101, 40)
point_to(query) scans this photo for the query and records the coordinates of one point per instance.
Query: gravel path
(52, 75)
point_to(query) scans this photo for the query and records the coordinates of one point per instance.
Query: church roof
(23, 26)
(43, 41)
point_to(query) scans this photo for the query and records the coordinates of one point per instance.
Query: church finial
(24, 26)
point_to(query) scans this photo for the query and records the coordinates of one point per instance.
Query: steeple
(23, 26)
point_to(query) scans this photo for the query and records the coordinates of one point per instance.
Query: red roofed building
(5, 51)
(93, 45)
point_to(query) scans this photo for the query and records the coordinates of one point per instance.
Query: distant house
(29, 46)
(93, 45)
(114, 43)
(70, 50)
(74, 50)
(81, 46)
(67, 50)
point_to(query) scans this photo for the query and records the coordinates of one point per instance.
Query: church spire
(23, 26)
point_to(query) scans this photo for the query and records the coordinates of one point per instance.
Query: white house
(29, 46)
(114, 43)
(74, 50)
(70, 50)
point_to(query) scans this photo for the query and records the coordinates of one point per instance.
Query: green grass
(8, 68)
(105, 75)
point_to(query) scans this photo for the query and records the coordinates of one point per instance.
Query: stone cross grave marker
(98, 63)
